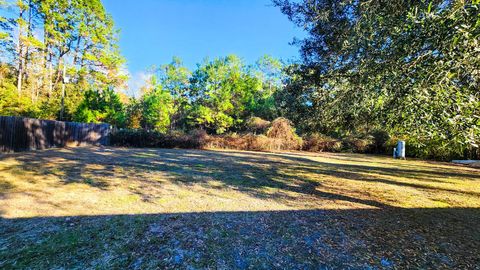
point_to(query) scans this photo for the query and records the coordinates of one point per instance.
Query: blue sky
(153, 31)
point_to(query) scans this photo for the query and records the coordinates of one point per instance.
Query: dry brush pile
(261, 135)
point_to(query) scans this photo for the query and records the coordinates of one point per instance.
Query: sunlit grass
(85, 181)
(104, 208)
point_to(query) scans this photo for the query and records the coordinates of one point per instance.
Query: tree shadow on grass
(433, 172)
(385, 237)
(253, 172)
(249, 172)
(306, 239)
(5, 187)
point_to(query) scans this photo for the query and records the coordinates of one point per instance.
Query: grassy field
(106, 208)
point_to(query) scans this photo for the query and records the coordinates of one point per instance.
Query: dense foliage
(101, 107)
(218, 96)
(408, 67)
(372, 72)
(52, 52)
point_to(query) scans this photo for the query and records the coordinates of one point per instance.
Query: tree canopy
(218, 96)
(56, 50)
(409, 67)
(403, 69)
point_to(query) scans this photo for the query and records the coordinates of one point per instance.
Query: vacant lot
(156, 208)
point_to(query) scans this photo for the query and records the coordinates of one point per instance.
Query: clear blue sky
(153, 31)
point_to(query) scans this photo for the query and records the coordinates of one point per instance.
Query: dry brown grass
(160, 208)
(90, 181)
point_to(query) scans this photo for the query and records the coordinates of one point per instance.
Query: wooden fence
(20, 134)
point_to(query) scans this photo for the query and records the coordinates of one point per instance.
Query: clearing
(102, 208)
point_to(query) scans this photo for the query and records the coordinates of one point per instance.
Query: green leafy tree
(57, 49)
(175, 78)
(405, 66)
(134, 112)
(270, 72)
(221, 91)
(158, 107)
(101, 107)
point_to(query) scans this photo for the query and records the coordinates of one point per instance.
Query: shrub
(358, 145)
(264, 143)
(230, 141)
(144, 138)
(282, 129)
(380, 139)
(431, 149)
(317, 142)
(198, 138)
(281, 136)
(257, 125)
(247, 141)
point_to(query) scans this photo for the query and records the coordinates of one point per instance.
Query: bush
(432, 149)
(197, 139)
(380, 139)
(282, 129)
(288, 141)
(247, 141)
(358, 145)
(144, 138)
(264, 143)
(281, 136)
(231, 141)
(317, 142)
(257, 125)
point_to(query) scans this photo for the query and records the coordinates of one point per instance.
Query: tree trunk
(27, 53)
(49, 76)
(62, 110)
(77, 49)
(20, 50)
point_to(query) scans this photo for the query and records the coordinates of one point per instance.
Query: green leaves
(225, 91)
(217, 97)
(101, 107)
(157, 109)
(39, 37)
(419, 59)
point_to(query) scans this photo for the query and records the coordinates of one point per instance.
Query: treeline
(220, 95)
(60, 60)
(52, 52)
(371, 73)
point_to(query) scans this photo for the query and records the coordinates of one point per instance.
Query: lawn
(106, 208)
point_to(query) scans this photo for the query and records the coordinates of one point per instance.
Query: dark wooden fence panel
(20, 134)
